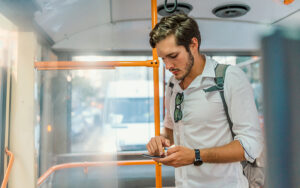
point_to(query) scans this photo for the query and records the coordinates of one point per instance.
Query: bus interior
(82, 91)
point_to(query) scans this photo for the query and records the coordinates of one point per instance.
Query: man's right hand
(156, 145)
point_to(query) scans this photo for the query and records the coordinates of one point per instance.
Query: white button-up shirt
(204, 125)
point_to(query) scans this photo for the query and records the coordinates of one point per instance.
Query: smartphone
(152, 156)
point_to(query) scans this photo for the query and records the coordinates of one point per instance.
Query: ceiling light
(231, 10)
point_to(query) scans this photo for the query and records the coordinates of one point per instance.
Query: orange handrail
(10, 164)
(158, 178)
(91, 164)
(71, 65)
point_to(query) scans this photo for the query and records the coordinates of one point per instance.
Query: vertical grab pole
(154, 22)
(157, 119)
(158, 178)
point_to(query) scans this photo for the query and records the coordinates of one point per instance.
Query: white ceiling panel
(123, 10)
(231, 36)
(292, 20)
(110, 37)
(62, 19)
(261, 11)
(125, 24)
(132, 36)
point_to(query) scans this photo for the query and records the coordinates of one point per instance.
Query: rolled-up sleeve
(243, 113)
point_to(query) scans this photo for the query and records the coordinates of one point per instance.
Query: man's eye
(174, 56)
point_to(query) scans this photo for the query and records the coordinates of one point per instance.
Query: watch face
(198, 162)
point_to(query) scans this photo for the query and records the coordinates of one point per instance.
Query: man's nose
(168, 64)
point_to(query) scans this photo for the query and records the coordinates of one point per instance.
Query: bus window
(129, 113)
(83, 113)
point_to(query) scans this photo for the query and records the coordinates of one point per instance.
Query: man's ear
(194, 44)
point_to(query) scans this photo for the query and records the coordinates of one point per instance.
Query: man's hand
(178, 156)
(156, 144)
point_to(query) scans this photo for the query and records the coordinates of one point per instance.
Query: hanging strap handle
(172, 9)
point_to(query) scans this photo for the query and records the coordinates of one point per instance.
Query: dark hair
(181, 26)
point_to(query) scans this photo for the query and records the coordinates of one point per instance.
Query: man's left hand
(178, 156)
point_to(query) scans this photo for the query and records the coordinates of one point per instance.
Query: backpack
(255, 171)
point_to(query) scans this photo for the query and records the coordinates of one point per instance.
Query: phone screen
(152, 156)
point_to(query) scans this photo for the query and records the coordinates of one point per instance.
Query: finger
(166, 142)
(160, 160)
(173, 150)
(167, 159)
(155, 146)
(159, 145)
(151, 146)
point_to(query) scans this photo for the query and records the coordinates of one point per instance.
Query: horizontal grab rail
(91, 164)
(69, 65)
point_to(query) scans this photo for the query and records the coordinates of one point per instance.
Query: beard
(188, 67)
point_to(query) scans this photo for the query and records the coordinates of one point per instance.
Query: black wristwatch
(198, 161)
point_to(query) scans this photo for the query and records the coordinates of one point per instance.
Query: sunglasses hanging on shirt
(177, 112)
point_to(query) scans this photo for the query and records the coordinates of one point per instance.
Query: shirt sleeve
(243, 113)
(168, 123)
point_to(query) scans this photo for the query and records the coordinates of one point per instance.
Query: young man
(205, 152)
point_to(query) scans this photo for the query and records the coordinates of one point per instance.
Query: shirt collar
(209, 68)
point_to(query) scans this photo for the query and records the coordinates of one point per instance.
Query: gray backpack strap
(248, 168)
(220, 72)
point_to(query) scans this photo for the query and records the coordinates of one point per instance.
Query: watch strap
(198, 161)
(197, 154)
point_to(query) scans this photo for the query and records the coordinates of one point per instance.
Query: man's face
(177, 60)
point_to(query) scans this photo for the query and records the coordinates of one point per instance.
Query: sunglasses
(177, 111)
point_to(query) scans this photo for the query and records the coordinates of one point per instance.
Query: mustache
(173, 70)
